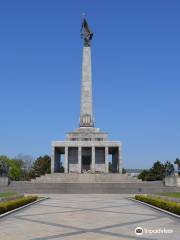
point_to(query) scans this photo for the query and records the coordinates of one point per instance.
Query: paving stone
(87, 216)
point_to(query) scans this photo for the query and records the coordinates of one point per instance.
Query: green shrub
(161, 203)
(10, 205)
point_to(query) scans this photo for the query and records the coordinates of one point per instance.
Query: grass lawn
(170, 194)
(7, 194)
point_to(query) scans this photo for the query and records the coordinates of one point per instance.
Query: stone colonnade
(79, 158)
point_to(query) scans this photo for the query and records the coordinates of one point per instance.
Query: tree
(15, 171)
(27, 161)
(144, 175)
(177, 162)
(123, 170)
(4, 166)
(157, 172)
(110, 167)
(21, 167)
(169, 169)
(61, 170)
(41, 166)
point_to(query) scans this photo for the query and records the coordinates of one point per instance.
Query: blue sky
(136, 75)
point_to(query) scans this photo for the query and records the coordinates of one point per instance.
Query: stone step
(84, 178)
(86, 181)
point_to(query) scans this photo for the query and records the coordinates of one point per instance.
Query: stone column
(93, 159)
(52, 159)
(55, 161)
(119, 160)
(106, 160)
(66, 160)
(79, 158)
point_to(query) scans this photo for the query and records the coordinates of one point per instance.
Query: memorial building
(87, 149)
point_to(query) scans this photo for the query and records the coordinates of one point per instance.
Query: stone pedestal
(90, 156)
(172, 181)
(4, 181)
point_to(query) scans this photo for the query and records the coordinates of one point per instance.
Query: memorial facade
(86, 149)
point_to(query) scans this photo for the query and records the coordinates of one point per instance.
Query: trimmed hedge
(161, 203)
(10, 205)
(15, 197)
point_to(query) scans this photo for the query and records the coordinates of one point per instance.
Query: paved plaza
(87, 217)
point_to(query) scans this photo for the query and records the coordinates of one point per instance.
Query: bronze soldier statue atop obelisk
(86, 33)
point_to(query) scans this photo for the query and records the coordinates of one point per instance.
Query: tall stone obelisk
(86, 149)
(86, 109)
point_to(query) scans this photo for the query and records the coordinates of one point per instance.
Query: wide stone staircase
(87, 183)
(85, 178)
